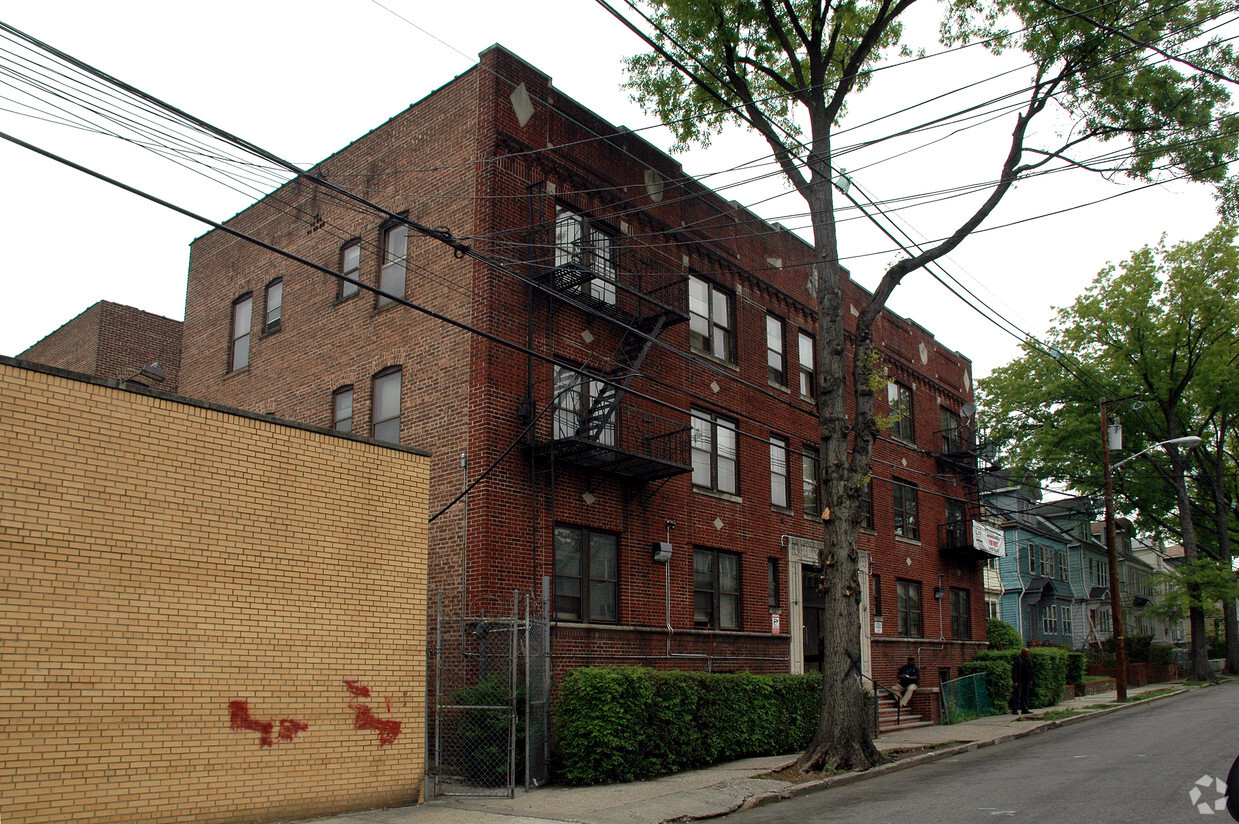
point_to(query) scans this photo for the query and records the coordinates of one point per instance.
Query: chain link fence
(965, 698)
(490, 701)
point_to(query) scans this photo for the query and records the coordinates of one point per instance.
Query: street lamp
(1116, 604)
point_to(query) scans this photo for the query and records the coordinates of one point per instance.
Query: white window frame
(780, 481)
(575, 393)
(715, 452)
(711, 320)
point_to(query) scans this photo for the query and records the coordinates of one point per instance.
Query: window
(952, 440)
(1102, 620)
(395, 253)
(807, 387)
(866, 505)
(1049, 620)
(342, 409)
(716, 589)
(899, 398)
(991, 608)
(1060, 565)
(908, 595)
(772, 583)
(576, 397)
(877, 594)
(1064, 617)
(710, 320)
(350, 267)
(776, 359)
(581, 243)
(957, 533)
(586, 575)
(275, 305)
(812, 497)
(714, 452)
(242, 320)
(961, 615)
(778, 472)
(905, 511)
(1045, 561)
(1098, 572)
(386, 406)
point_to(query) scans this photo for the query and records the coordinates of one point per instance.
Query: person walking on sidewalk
(909, 676)
(1022, 674)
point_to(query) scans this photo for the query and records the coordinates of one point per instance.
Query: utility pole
(1116, 601)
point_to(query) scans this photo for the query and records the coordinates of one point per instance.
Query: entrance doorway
(813, 616)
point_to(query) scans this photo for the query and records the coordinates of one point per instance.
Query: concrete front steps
(891, 718)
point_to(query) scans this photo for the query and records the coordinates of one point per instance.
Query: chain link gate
(490, 711)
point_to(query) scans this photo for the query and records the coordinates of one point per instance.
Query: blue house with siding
(1039, 597)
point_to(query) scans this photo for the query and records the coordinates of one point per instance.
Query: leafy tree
(1159, 330)
(786, 68)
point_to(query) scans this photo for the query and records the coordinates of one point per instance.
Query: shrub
(997, 679)
(483, 733)
(1161, 654)
(1002, 635)
(1075, 668)
(624, 723)
(1049, 672)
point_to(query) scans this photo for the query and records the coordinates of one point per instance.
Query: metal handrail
(877, 730)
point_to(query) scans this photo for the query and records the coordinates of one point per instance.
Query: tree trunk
(843, 740)
(1221, 520)
(1198, 664)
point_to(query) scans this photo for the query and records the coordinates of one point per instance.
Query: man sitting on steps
(909, 676)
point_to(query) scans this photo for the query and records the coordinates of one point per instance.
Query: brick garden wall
(206, 616)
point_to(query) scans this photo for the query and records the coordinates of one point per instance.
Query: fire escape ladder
(631, 354)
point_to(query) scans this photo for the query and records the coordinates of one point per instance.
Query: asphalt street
(1137, 766)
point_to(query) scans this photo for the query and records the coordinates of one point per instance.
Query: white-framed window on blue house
(1065, 619)
(1049, 620)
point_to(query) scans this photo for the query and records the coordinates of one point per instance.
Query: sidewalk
(724, 788)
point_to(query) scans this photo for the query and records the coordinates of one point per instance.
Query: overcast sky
(303, 79)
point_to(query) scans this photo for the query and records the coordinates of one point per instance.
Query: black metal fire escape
(610, 435)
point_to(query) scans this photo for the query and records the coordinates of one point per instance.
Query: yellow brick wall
(174, 577)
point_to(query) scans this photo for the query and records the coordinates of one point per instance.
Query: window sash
(778, 473)
(242, 321)
(395, 262)
(342, 410)
(899, 399)
(961, 615)
(716, 589)
(386, 412)
(350, 267)
(709, 321)
(275, 306)
(905, 511)
(809, 471)
(866, 505)
(908, 596)
(775, 356)
(714, 452)
(807, 368)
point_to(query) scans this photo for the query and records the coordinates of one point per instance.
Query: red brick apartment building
(646, 445)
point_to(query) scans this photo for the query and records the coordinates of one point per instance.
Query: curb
(795, 790)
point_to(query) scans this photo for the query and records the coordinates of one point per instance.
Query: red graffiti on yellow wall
(365, 719)
(242, 720)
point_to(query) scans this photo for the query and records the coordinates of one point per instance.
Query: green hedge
(625, 723)
(997, 680)
(1049, 668)
(1002, 635)
(1075, 667)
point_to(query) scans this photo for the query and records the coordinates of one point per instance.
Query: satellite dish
(968, 410)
